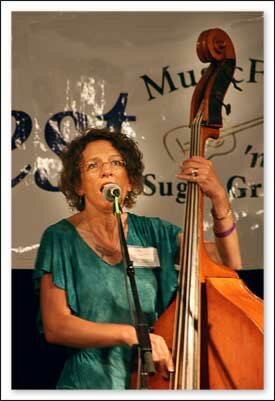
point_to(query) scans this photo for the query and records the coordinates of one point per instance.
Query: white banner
(137, 70)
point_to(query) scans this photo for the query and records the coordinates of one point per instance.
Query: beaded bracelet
(226, 214)
(225, 233)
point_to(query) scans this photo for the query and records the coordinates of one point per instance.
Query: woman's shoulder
(150, 220)
(61, 227)
(142, 220)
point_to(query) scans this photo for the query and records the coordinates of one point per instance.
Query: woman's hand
(201, 171)
(161, 355)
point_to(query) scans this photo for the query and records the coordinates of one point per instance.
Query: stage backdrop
(136, 71)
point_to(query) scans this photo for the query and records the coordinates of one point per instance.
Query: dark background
(36, 364)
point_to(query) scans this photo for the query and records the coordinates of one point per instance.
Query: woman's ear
(130, 186)
(81, 203)
(79, 189)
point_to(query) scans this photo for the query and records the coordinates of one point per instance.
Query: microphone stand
(144, 343)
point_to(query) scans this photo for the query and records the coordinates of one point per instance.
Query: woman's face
(97, 171)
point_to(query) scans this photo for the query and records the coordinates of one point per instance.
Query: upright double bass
(214, 327)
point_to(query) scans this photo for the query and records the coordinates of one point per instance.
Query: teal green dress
(96, 291)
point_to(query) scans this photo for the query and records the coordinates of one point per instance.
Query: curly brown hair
(71, 157)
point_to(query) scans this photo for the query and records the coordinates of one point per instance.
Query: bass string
(186, 314)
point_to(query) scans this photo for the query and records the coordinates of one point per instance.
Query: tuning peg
(233, 80)
(226, 106)
(235, 85)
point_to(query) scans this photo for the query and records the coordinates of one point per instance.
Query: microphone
(110, 191)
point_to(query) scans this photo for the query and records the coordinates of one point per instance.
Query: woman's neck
(100, 231)
(102, 223)
(106, 221)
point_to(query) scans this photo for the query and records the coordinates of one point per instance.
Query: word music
(187, 79)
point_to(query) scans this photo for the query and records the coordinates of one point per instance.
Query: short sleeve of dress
(166, 237)
(54, 257)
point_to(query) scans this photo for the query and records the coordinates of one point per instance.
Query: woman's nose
(106, 169)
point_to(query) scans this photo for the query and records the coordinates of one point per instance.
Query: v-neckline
(91, 249)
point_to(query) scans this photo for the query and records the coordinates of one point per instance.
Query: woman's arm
(227, 249)
(226, 236)
(61, 327)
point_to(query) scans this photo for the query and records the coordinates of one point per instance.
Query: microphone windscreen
(110, 191)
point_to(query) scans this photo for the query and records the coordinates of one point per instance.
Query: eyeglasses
(96, 166)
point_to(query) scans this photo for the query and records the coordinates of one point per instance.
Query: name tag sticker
(144, 257)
